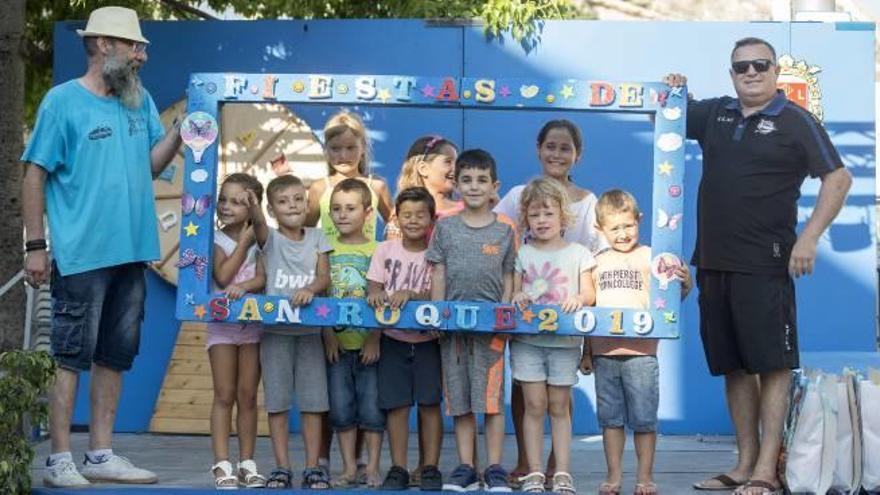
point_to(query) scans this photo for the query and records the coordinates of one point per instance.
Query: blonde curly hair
(545, 190)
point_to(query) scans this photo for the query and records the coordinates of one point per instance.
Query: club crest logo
(765, 127)
(800, 81)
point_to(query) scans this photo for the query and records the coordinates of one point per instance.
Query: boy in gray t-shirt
(473, 256)
(292, 358)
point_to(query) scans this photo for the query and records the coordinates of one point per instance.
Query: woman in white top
(560, 146)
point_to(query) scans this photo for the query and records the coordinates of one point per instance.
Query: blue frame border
(207, 91)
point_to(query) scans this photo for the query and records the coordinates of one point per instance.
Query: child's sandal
(315, 479)
(563, 483)
(248, 476)
(532, 482)
(226, 480)
(279, 478)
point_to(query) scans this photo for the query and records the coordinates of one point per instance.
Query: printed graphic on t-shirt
(491, 249)
(413, 275)
(284, 280)
(348, 273)
(621, 278)
(137, 124)
(546, 283)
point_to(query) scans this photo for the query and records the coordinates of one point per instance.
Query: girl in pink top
(234, 348)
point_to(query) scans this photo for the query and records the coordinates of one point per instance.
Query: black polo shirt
(753, 168)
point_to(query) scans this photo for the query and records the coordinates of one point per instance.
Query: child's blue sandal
(279, 478)
(315, 479)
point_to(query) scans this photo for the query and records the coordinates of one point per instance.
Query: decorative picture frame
(200, 130)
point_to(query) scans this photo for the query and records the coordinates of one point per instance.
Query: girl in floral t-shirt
(549, 270)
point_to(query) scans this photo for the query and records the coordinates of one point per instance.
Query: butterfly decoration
(188, 204)
(666, 220)
(666, 266)
(661, 98)
(201, 129)
(190, 258)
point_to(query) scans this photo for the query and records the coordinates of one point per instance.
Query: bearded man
(89, 165)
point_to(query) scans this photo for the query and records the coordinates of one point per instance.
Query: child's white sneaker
(63, 474)
(117, 469)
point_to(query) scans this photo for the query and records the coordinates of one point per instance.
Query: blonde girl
(234, 348)
(548, 270)
(347, 150)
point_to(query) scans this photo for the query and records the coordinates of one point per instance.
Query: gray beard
(123, 81)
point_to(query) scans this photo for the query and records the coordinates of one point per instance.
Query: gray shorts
(473, 373)
(557, 366)
(627, 392)
(294, 363)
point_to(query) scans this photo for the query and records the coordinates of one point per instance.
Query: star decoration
(660, 303)
(428, 91)
(528, 315)
(191, 229)
(669, 317)
(446, 313)
(254, 90)
(384, 95)
(200, 311)
(323, 311)
(665, 168)
(342, 88)
(567, 91)
(299, 86)
(268, 307)
(466, 94)
(550, 98)
(504, 91)
(190, 298)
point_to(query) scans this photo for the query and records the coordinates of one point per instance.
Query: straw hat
(113, 22)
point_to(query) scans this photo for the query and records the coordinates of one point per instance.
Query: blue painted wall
(837, 304)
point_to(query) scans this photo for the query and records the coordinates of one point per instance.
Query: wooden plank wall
(184, 404)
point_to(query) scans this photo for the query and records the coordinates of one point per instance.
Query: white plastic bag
(848, 459)
(811, 444)
(869, 400)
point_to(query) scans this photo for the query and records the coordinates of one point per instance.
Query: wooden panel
(184, 404)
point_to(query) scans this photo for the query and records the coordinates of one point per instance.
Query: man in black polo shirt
(757, 150)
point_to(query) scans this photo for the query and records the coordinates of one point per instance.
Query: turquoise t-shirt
(99, 187)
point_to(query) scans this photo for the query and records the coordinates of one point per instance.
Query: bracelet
(35, 245)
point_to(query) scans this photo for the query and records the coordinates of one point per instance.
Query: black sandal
(279, 478)
(315, 479)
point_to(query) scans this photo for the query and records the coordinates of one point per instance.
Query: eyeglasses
(136, 46)
(760, 65)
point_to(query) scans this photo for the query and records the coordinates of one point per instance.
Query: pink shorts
(233, 333)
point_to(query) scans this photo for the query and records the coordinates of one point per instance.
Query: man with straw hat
(96, 146)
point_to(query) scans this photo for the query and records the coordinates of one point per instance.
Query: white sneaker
(63, 474)
(117, 469)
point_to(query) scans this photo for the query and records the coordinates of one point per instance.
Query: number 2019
(642, 322)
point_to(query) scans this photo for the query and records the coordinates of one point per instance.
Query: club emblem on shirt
(765, 127)
(800, 82)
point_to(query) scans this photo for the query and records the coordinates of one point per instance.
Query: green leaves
(24, 380)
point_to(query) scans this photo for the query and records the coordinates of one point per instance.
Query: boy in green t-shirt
(352, 353)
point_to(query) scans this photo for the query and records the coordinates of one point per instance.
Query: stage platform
(182, 462)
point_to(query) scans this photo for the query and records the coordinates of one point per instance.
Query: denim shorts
(557, 366)
(354, 394)
(627, 392)
(96, 317)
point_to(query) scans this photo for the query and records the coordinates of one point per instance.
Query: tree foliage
(522, 18)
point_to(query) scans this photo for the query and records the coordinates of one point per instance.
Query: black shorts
(408, 373)
(748, 321)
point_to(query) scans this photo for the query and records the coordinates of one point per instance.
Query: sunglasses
(136, 46)
(760, 65)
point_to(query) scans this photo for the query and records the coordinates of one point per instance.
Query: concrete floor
(183, 461)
